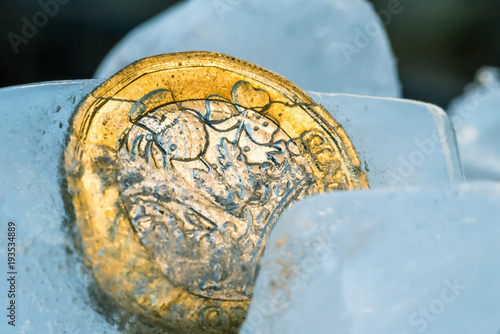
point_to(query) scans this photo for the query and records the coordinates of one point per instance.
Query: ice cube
(52, 291)
(383, 261)
(476, 118)
(34, 123)
(399, 142)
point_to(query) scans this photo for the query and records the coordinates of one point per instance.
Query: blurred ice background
(439, 45)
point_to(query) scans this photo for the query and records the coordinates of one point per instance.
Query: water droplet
(265, 124)
(246, 149)
(258, 116)
(256, 128)
(173, 147)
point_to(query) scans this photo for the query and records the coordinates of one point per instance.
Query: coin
(179, 166)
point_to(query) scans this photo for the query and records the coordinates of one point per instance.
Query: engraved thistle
(203, 181)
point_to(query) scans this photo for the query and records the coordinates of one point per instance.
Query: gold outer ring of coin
(166, 90)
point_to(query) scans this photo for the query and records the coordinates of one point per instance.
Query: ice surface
(476, 117)
(52, 294)
(399, 142)
(323, 45)
(380, 261)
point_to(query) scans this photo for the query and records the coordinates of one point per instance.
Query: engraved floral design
(203, 182)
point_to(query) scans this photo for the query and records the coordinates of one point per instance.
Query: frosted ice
(52, 294)
(324, 45)
(399, 142)
(34, 120)
(380, 261)
(476, 117)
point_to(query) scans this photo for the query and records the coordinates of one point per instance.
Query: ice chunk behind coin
(324, 45)
(476, 117)
(402, 262)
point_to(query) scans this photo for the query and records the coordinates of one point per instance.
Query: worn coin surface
(179, 166)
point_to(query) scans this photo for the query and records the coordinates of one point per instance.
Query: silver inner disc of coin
(203, 182)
